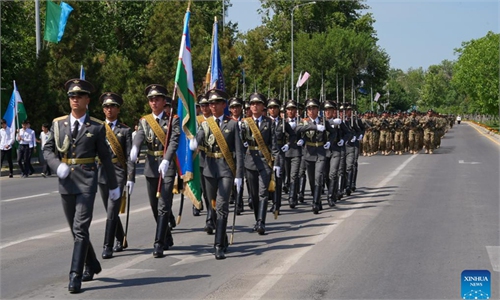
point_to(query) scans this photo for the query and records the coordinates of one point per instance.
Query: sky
(413, 33)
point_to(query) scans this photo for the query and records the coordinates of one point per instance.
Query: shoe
(89, 272)
(430, 152)
(107, 253)
(43, 174)
(209, 228)
(75, 283)
(118, 247)
(219, 253)
(426, 151)
(260, 228)
(196, 212)
(10, 176)
(158, 251)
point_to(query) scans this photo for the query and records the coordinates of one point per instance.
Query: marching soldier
(153, 129)
(119, 138)
(359, 130)
(223, 164)
(428, 122)
(285, 138)
(412, 122)
(317, 143)
(259, 139)
(293, 156)
(385, 141)
(399, 133)
(236, 109)
(74, 143)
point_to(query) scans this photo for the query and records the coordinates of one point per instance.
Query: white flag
(298, 80)
(303, 79)
(377, 95)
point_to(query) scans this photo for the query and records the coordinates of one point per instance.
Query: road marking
(28, 197)
(469, 162)
(395, 172)
(494, 254)
(486, 135)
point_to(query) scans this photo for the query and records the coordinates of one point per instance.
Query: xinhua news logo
(476, 284)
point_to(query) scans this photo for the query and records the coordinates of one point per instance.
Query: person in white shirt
(459, 119)
(25, 139)
(44, 136)
(6, 146)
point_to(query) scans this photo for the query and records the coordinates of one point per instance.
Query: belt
(253, 148)
(317, 144)
(78, 161)
(155, 153)
(24, 144)
(201, 148)
(214, 154)
(113, 160)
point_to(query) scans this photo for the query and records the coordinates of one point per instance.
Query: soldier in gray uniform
(359, 131)
(285, 137)
(75, 141)
(153, 129)
(293, 156)
(236, 109)
(119, 138)
(223, 164)
(317, 144)
(260, 158)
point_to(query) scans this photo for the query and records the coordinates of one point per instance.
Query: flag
(82, 72)
(298, 80)
(56, 18)
(15, 113)
(188, 160)
(377, 95)
(216, 73)
(303, 79)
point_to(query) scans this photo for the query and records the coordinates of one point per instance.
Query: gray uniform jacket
(123, 134)
(89, 143)
(311, 136)
(254, 159)
(289, 137)
(218, 167)
(294, 150)
(145, 133)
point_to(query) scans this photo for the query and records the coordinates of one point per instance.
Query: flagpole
(15, 107)
(37, 25)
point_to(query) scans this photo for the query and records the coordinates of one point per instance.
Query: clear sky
(413, 33)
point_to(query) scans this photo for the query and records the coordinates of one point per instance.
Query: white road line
(268, 281)
(494, 254)
(28, 197)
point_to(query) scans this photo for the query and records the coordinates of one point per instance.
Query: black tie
(110, 125)
(314, 122)
(218, 121)
(158, 120)
(75, 130)
(257, 122)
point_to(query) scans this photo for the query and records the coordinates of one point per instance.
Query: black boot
(109, 236)
(77, 263)
(239, 202)
(317, 199)
(169, 240)
(272, 196)
(171, 221)
(121, 243)
(92, 265)
(292, 196)
(302, 187)
(332, 193)
(335, 192)
(196, 212)
(161, 231)
(348, 183)
(354, 177)
(340, 192)
(220, 239)
(210, 224)
(261, 218)
(277, 196)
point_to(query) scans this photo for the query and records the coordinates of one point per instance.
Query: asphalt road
(414, 224)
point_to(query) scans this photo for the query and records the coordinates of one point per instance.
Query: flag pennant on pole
(377, 95)
(82, 72)
(188, 160)
(298, 80)
(15, 113)
(56, 17)
(303, 79)
(216, 73)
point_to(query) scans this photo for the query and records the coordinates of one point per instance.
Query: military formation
(268, 148)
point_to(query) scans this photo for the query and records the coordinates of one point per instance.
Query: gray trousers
(78, 209)
(292, 165)
(112, 209)
(350, 153)
(335, 163)
(316, 169)
(258, 184)
(163, 205)
(220, 190)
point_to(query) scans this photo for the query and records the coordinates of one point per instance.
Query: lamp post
(291, 38)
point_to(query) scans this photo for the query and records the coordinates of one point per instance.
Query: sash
(263, 148)
(200, 119)
(221, 141)
(116, 147)
(156, 128)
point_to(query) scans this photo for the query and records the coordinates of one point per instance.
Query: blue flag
(216, 74)
(66, 9)
(82, 73)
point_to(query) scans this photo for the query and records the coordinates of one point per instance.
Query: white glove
(300, 143)
(245, 144)
(114, 194)
(337, 121)
(285, 148)
(340, 143)
(133, 153)
(293, 124)
(62, 171)
(320, 128)
(237, 183)
(277, 170)
(130, 185)
(239, 124)
(163, 167)
(360, 137)
(353, 139)
(193, 144)
(327, 145)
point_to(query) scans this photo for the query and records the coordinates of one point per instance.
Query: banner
(304, 79)
(15, 113)
(52, 20)
(377, 95)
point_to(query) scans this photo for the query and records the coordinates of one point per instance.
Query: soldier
(159, 162)
(428, 123)
(236, 109)
(412, 123)
(385, 142)
(285, 138)
(75, 141)
(262, 150)
(317, 144)
(223, 164)
(352, 148)
(293, 156)
(119, 138)
(399, 133)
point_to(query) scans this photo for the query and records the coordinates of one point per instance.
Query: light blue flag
(82, 73)
(66, 9)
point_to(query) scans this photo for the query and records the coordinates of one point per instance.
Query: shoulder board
(124, 125)
(96, 120)
(60, 118)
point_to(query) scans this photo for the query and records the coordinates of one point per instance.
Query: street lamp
(291, 38)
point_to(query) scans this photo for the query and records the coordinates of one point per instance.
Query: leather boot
(354, 178)
(261, 217)
(340, 191)
(239, 202)
(92, 265)
(331, 193)
(169, 240)
(161, 231)
(302, 187)
(77, 263)
(220, 244)
(120, 234)
(292, 196)
(277, 195)
(272, 197)
(317, 199)
(348, 183)
(335, 192)
(109, 236)
(210, 224)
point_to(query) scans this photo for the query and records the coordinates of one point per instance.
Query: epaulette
(96, 120)
(124, 125)
(60, 118)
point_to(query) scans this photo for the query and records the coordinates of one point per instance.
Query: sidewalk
(481, 129)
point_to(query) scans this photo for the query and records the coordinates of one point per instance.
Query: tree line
(126, 45)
